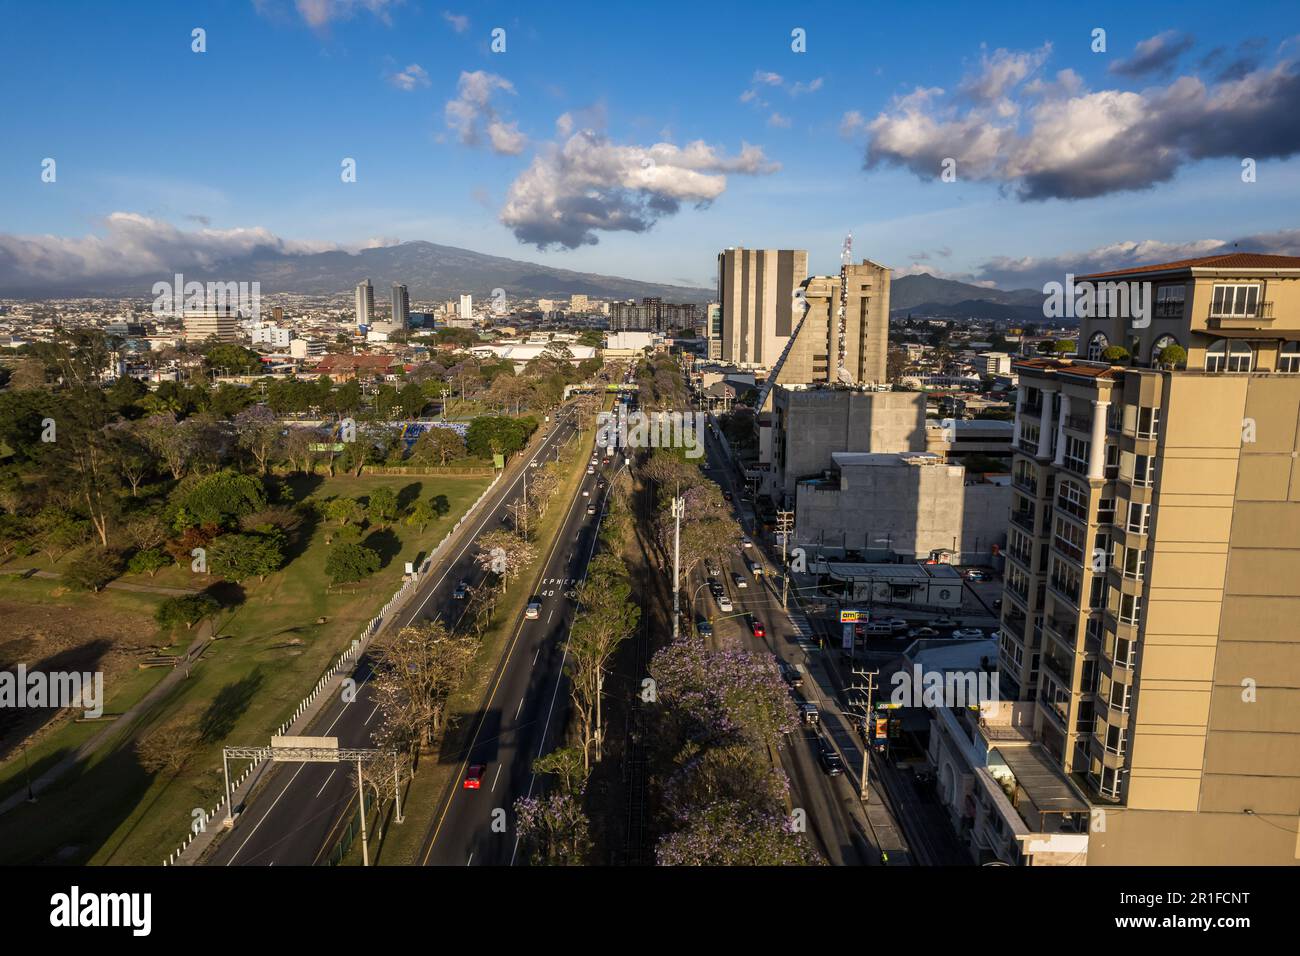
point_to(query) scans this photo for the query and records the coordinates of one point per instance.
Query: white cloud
(410, 78)
(471, 114)
(767, 78)
(320, 13)
(1059, 140)
(800, 88)
(779, 121)
(134, 245)
(585, 185)
(459, 22)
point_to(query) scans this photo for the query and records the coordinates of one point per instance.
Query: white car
(724, 603)
(586, 493)
(968, 634)
(740, 582)
(746, 541)
(533, 611)
(591, 470)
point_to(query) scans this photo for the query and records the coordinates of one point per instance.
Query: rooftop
(1224, 261)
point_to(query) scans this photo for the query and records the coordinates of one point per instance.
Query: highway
(837, 824)
(295, 815)
(527, 700)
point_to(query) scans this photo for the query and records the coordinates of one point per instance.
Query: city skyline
(576, 163)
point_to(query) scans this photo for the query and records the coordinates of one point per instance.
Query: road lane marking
(371, 717)
(519, 709)
(498, 776)
(326, 783)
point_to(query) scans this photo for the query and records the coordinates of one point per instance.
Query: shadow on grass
(409, 496)
(385, 543)
(18, 723)
(229, 705)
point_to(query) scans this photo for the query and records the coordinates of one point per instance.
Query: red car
(474, 778)
(757, 629)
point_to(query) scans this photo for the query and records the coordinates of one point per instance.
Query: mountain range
(926, 296)
(428, 270)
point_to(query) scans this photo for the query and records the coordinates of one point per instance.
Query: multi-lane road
(295, 815)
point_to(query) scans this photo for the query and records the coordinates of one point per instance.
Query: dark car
(829, 759)
(726, 495)
(462, 590)
(715, 587)
(791, 674)
(703, 628)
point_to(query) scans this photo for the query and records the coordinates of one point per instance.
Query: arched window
(1160, 345)
(1225, 356)
(1096, 345)
(1288, 358)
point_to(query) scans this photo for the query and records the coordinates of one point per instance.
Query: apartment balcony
(1015, 626)
(1059, 669)
(1025, 484)
(1023, 519)
(1023, 558)
(1079, 423)
(1028, 446)
(1065, 626)
(1262, 318)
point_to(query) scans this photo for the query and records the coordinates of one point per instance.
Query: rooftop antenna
(846, 259)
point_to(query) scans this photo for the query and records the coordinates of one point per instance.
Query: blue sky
(1130, 154)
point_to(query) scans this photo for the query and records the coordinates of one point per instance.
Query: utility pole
(868, 730)
(361, 793)
(784, 525)
(679, 506)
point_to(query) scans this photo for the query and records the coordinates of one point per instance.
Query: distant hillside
(925, 296)
(429, 271)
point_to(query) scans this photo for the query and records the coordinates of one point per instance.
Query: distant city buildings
(466, 310)
(204, 324)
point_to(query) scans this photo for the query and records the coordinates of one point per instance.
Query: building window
(1105, 510)
(1096, 345)
(1169, 301)
(1072, 499)
(1162, 343)
(1288, 358)
(1109, 781)
(1130, 608)
(1138, 515)
(1116, 737)
(1148, 422)
(1069, 539)
(1135, 563)
(1077, 451)
(1235, 301)
(1120, 696)
(1225, 356)
(1144, 470)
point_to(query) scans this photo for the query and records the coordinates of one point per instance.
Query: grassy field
(269, 652)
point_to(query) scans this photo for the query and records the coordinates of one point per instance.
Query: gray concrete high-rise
(365, 303)
(401, 307)
(756, 294)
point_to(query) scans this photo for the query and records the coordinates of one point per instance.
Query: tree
(412, 400)
(93, 569)
(420, 515)
(1172, 356)
(168, 748)
(171, 440)
(439, 446)
(567, 763)
(554, 829)
(57, 532)
(148, 561)
(382, 506)
(503, 554)
(223, 497)
(236, 557)
(605, 619)
(1115, 353)
(348, 562)
(415, 675)
(440, 505)
(344, 510)
(257, 432)
(188, 610)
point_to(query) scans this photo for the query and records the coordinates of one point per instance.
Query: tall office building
(365, 303)
(466, 310)
(1152, 584)
(815, 354)
(202, 325)
(401, 307)
(756, 295)
(577, 303)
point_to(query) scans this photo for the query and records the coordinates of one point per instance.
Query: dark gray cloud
(1155, 55)
(1235, 64)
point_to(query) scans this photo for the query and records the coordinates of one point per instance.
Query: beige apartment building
(756, 294)
(1151, 605)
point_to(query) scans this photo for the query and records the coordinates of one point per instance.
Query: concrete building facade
(1153, 574)
(756, 297)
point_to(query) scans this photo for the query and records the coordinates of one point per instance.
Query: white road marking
(497, 777)
(326, 783)
(519, 709)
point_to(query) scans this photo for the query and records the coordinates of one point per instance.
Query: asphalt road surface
(294, 818)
